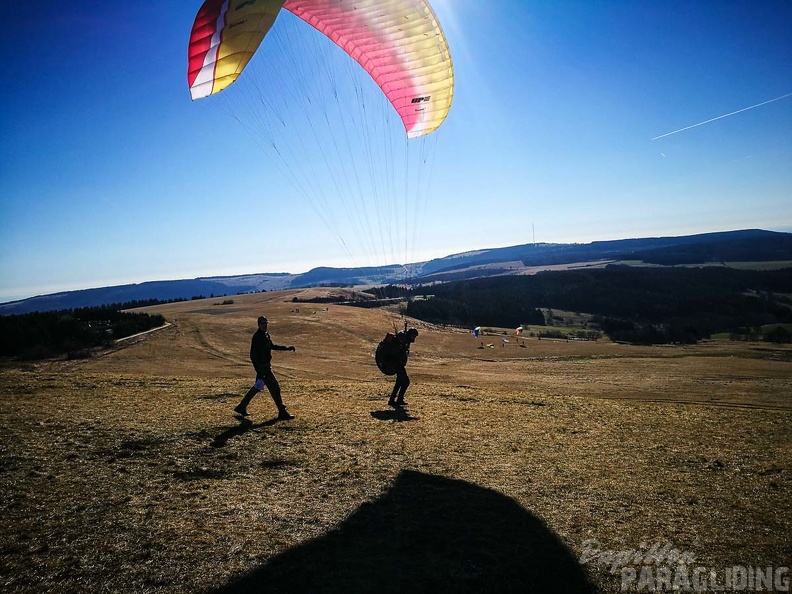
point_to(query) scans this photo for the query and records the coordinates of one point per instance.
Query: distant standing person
(261, 347)
(404, 340)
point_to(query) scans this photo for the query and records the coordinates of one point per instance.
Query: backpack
(387, 354)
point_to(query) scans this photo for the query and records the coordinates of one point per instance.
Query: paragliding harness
(388, 353)
(392, 351)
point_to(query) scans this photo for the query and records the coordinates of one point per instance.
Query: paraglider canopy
(400, 44)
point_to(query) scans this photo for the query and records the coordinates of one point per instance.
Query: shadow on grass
(244, 426)
(427, 534)
(220, 396)
(396, 414)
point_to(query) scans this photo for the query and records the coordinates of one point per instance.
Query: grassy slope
(128, 472)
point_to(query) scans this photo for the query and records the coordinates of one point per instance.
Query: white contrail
(724, 116)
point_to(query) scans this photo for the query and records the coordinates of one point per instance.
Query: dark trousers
(271, 382)
(402, 383)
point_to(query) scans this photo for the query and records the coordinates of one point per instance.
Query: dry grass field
(128, 472)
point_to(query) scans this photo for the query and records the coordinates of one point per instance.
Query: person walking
(261, 347)
(404, 340)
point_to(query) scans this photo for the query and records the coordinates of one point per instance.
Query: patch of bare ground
(128, 473)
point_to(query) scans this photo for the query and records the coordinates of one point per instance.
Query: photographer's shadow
(427, 534)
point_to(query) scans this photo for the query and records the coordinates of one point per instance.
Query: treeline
(639, 305)
(387, 292)
(72, 332)
(473, 304)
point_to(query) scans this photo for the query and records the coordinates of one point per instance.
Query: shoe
(241, 410)
(285, 416)
(401, 403)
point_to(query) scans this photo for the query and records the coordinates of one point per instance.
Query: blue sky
(109, 174)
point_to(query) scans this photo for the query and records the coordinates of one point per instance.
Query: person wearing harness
(261, 347)
(404, 340)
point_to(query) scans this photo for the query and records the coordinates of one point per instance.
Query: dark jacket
(261, 347)
(404, 348)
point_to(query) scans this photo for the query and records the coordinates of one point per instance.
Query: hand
(291, 348)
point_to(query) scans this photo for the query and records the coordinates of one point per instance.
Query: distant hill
(636, 304)
(752, 245)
